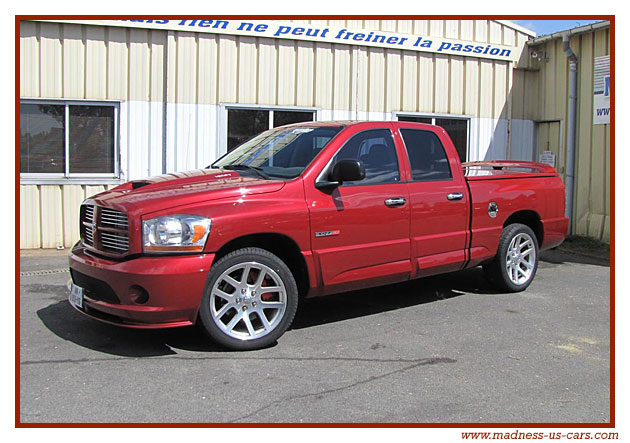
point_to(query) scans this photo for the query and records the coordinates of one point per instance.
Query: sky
(542, 27)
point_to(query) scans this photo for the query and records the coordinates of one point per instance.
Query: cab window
(376, 150)
(427, 157)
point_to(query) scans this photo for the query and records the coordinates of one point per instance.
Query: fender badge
(327, 233)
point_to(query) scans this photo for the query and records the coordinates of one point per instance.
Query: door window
(427, 157)
(376, 150)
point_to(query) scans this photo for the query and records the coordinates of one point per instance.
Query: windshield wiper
(242, 167)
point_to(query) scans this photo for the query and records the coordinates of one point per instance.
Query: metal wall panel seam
(508, 92)
(62, 61)
(150, 116)
(333, 76)
(197, 68)
(433, 83)
(276, 99)
(41, 215)
(465, 95)
(295, 72)
(86, 61)
(314, 76)
(385, 81)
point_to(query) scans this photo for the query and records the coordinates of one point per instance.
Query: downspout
(571, 127)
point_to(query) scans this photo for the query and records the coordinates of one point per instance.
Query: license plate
(76, 295)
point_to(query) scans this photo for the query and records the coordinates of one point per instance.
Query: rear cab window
(427, 157)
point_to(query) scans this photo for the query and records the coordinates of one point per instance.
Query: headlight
(175, 233)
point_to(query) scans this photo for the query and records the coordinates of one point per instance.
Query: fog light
(138, 295)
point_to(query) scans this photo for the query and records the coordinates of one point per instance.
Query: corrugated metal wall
(171, 84)
(591, 206)
(93, 62)
(49, 214)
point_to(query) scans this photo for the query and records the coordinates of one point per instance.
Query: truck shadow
(559, 256)
(68, 324)
(348, 305)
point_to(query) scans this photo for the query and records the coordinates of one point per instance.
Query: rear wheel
(250, 299)
(516, 262)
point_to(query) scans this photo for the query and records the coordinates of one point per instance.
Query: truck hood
(183, 188)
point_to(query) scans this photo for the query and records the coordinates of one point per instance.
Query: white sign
(548, 158)
(601, 91)
(320, 33)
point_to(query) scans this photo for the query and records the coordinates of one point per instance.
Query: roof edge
(516, 27)
(571, 32)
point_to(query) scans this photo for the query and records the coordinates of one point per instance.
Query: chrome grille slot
(87, 224)
(114, 241)
(89, 213)
(113, 218)
(88, 237)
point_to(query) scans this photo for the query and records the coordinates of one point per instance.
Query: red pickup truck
(305, 210)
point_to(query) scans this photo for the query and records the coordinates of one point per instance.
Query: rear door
(438, 201)
(360, 230)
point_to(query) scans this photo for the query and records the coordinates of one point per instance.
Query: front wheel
(250, 299)
(516, 262)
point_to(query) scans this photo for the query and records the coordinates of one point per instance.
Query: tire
(514, 267)
(237, 310)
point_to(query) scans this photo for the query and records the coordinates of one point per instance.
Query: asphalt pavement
(444, 349)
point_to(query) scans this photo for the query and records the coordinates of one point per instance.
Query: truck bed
(485, 170)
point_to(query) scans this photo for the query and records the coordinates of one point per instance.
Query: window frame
(434, 116)
(412, 180)
(224, 108)
(67, 176)
(326, 170)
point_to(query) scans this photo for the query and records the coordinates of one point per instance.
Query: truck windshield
(280, 152)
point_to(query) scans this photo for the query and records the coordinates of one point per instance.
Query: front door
(360, 230)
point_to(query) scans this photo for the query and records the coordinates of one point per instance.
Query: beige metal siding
(342, 84)
(49, 214)
(30, 218)
(525, 96)
(323, 78)
(95, 63)
(591, 206)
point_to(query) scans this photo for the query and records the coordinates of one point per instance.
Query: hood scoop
(139, 184)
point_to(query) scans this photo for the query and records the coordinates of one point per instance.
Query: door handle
(455, 196)
(397, 201)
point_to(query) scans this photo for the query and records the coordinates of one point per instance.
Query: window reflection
(42, 134)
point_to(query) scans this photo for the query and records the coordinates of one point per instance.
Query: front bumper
(174, 285)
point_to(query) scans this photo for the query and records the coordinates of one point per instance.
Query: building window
(244, 123)
(457, 129)
(68, 139)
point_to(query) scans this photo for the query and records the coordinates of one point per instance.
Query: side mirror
(345, 170)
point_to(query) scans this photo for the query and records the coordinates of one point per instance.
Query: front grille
(105, 229)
